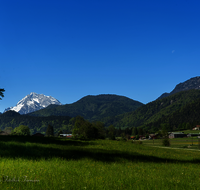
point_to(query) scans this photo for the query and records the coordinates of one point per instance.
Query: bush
(166, 142)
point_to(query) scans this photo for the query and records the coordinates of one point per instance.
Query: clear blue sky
(70, 49)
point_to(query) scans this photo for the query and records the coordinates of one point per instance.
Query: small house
(177, 135)
(153, 136)
(196, 128)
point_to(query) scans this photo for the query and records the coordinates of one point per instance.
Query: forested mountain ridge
(36, 124)
(193, 83)
(93, 108)
(185, 118)
(155, 110)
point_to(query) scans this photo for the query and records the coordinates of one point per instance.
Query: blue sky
(70, 49)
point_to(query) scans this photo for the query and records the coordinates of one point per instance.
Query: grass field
(190, 131)
(187, 143)
(53, 163)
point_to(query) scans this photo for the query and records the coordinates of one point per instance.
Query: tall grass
(53, 163)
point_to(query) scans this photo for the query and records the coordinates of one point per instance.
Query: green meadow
(56, 163)
(186, 143)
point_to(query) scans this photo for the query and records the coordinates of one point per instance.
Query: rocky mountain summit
(33, 102)
(193, 83)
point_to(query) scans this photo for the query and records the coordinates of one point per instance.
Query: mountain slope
(155, 110)
(36, 124)
(93, 107)
(185, 118)
(33, 102)
(193, 83)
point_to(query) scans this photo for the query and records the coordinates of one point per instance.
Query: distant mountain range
(179, 107)
(92, 108)
(33, 102)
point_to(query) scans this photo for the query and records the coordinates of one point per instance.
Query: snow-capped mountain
(33, 102)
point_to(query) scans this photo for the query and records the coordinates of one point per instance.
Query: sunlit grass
(100, 164)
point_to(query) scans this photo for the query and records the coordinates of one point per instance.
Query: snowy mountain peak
(33, 102)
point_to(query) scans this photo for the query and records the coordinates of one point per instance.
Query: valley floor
(55, 163)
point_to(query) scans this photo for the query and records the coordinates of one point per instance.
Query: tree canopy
(22, 130)
(86, 130)
(1, 93)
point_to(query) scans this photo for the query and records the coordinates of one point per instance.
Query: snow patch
(17, 108)
(36, 100)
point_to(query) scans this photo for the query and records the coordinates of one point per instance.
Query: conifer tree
(134, 131)
(49, 131)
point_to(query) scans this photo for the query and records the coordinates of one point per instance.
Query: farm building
(196, 128)
(177, 135)
(153, 136)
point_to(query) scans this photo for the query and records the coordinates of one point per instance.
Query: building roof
(66, 135)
